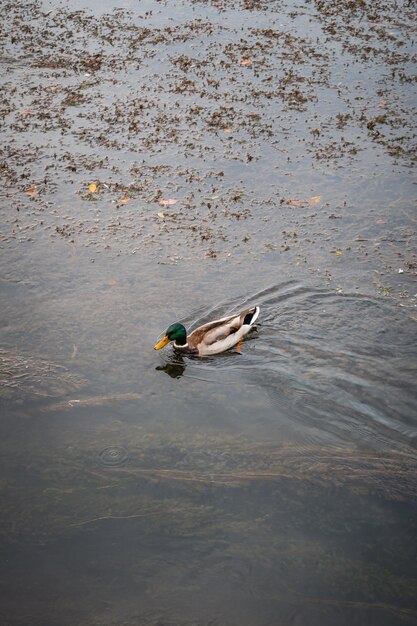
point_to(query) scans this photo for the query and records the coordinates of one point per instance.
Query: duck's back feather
(222, 334)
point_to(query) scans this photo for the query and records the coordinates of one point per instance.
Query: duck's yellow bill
(161, 343)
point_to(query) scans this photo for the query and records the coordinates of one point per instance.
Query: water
(279, 481)
(276, 486)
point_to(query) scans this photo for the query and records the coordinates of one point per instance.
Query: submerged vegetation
(284, 512)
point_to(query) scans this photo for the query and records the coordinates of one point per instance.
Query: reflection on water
(174, 367)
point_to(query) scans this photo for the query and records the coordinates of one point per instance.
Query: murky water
(272, 487)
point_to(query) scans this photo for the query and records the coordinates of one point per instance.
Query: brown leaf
(31, 191)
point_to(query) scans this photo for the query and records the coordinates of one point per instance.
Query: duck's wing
(222, 334)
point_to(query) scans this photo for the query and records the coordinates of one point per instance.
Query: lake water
(274, 486)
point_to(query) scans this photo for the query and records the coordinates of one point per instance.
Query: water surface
(276, 486)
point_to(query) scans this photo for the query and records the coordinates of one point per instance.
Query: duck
(211, 338)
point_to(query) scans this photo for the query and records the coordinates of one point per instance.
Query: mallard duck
(213, 337)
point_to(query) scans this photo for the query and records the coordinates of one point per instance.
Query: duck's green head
(176, 333)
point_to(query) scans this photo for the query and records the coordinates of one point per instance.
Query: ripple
(335, 367)
(113, 456)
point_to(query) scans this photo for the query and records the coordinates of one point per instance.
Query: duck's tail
(251, 316)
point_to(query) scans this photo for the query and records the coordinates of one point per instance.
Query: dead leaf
(314, 200)
(161, 215)
(227, 130)
(125, 199)
(382, 104)
(338, 252)
(92, 187)
(168, 202)
(311, 201)
(31, 191)
(246, 62)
